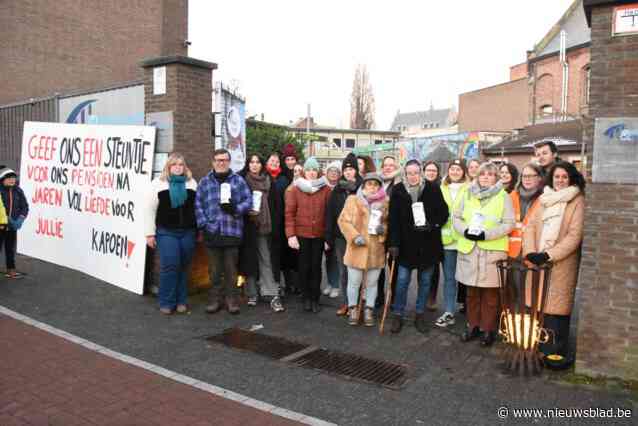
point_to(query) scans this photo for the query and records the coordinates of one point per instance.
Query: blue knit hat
(311, 164)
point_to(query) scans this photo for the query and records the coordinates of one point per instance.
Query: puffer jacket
(306, 213)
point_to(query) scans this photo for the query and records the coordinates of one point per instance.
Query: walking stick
(362, 290)
(388, 297)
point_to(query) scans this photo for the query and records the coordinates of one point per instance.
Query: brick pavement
(48, 380)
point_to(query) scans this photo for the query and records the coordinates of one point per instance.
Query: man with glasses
(222, 199)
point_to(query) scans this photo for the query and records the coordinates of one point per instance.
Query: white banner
(85, 186)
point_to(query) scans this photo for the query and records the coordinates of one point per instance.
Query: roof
(418, 118)
(574, 24)
(441, 154)
(567, 135)
(589, 4)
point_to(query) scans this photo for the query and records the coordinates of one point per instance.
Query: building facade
(423, 124)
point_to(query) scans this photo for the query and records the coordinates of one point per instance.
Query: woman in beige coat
(554, 233)
(483, 218)
(363, 223)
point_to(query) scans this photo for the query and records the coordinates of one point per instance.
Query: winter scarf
(177, 190)
(554, 203)
(349, 186)
(416, 190)
(274, 173)
(372, 201)
(221, 177)
(310, 187)
(527, 197)
(261, 183)
(484, 194)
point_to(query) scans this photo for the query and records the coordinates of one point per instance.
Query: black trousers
(559, 325)
(10, 239)
(310, 254)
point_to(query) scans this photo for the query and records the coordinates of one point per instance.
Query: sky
(285, 54)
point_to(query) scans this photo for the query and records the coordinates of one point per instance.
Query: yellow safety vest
(493, 213)
(448, 233)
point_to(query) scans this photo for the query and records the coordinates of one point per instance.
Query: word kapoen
(110, 243)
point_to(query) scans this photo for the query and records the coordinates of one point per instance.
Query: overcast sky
(284, 54)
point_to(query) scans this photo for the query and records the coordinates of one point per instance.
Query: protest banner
(86, 186)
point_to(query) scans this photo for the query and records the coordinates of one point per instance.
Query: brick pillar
(189, 97)
(608, 316)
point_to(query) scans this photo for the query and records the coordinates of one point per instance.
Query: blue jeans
(332, 268)
(176, 249)
(403, 283)
(449, 285)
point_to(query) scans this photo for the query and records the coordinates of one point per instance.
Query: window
(547, 110)
(349, 143)
(337, 141)
(586, 84)
(387, 141)
(378, 141)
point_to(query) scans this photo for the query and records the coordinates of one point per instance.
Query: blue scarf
(177, 190)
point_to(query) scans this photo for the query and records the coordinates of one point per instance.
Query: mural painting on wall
(441, 149)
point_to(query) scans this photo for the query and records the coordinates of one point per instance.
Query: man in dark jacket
(347, 185)
(417, 213)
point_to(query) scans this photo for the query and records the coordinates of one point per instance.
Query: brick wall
(608, 282)
(518, 71)
(64, 45)
(497, 108)
(189, 96)
(547, 86)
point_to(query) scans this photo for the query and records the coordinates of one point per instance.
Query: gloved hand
(380, 229)
(471, 237)
(16, 224)
(227, 208)
(425, 228)
(537, 258)
(394, 252)
(359, 241)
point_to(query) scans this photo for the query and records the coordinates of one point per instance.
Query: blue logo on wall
(81, 113)
(623, 134)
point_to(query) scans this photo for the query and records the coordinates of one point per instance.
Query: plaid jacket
(208, 213)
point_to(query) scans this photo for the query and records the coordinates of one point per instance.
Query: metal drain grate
(262, 344)
(336, 363)
(355, 367)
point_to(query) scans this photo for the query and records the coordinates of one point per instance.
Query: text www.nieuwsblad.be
(564, 413)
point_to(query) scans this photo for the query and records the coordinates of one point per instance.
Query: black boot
(487, 339)
(397, 324)
(307, 305)
(315, 307)
(419, 323)
(470, 334)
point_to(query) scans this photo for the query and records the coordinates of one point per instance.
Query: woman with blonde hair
(170, 226)
(483, 218)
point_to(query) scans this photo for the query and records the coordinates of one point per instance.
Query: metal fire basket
(523, 290)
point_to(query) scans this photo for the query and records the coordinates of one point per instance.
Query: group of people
(277, 221)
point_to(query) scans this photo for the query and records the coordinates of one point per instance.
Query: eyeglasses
(529, 176)
(222, 160)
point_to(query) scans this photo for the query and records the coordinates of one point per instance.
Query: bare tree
(361, 100)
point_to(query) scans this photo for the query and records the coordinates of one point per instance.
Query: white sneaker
(334, 293)
(445, 320)
(326, 291)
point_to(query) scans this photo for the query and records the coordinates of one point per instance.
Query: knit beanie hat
(7, 173)
(372, 176)
(289, 151)
(311, 164)
(334, 165)
(350, 161)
